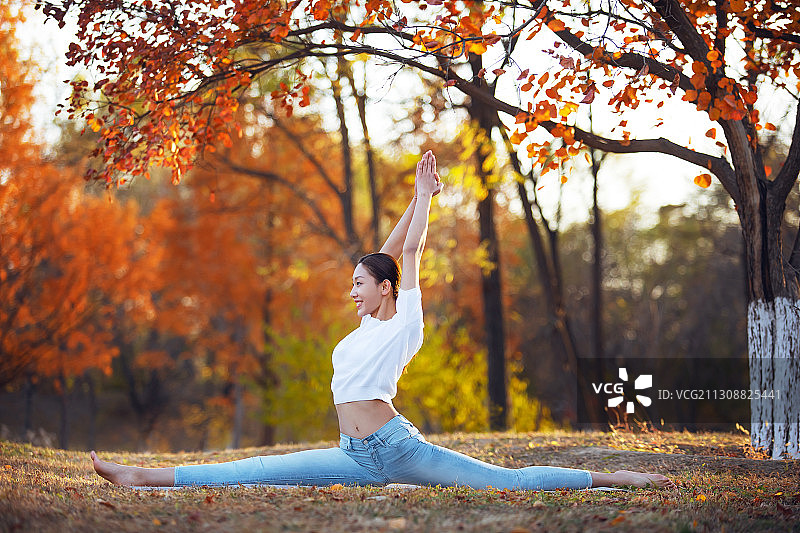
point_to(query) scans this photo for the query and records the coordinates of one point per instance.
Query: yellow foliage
(300, 405)
(526, 413)
(444, 386)
(443, 389)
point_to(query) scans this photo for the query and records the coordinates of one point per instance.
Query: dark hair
(383, 266)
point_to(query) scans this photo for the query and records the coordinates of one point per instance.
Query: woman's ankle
(603, 479)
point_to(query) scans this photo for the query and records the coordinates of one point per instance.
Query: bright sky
(656, 179)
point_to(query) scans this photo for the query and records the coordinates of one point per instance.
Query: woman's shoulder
(409, 293)
(409, 304)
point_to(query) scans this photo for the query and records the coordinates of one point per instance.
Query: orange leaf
(556, 25)
(518, 137)
(543, 79)
(477, 48)
(712, 133)
(703, 180)
(770, 126)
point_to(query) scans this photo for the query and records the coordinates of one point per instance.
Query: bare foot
(115, 473)
(641, 479)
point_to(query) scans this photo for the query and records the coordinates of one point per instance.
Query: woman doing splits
(377, 444)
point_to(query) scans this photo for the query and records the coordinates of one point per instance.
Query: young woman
(378, 445)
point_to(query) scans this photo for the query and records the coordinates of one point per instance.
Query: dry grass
(723, 486)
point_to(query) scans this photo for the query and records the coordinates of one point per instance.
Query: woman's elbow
(412, 251)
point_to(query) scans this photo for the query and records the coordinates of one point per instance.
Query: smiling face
(367, 293)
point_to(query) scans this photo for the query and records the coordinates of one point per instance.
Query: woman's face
(367, 293)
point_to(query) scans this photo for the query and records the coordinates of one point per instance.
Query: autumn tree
(57, 263)
(173, 70)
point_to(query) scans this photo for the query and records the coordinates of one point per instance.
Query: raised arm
(396, 240)
(427, 184)
(394, 243)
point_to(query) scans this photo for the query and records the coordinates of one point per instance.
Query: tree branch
(325, 227)
(628, 59)
(640, 23)
(673, 14)
(794, 257)
(303, 150)
(787, 176)
(765, 33)
(717, 165)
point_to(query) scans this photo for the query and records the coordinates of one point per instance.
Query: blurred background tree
(201, 316)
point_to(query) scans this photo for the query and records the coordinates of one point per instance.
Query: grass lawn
(723, 486)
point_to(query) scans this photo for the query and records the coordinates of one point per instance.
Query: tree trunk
(238, 414)
(597, 277)
(773, 341)
(30, 389)
(773, 314)
(493, 318)
(562, 341)
(361, 104)
(491, 287)
(92, 398)
(346, 194)
(63, 432)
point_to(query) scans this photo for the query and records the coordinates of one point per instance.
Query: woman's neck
(386, 310)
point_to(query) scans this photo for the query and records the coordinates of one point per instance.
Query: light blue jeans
(396, 453)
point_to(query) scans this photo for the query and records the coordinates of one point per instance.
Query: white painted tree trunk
(773, 340)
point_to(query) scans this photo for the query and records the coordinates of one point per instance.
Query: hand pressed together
(427, 180)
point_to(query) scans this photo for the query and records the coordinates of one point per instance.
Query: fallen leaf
(74, 492)
(107, 504)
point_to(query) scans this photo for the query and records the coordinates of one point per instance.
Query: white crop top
(368, 362)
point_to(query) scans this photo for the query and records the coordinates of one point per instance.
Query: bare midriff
(364, 417)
